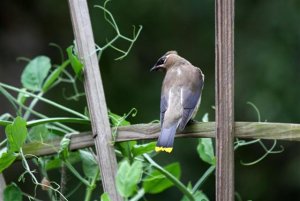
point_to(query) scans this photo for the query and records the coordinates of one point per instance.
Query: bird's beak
(156, 68)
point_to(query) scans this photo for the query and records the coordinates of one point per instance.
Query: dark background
(267, 69)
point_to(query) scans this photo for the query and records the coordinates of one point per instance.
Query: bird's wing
(190, 99)
(163, 107)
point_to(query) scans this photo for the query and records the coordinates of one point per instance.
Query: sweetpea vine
(139, 173)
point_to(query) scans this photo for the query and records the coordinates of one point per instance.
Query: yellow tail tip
(166, 149)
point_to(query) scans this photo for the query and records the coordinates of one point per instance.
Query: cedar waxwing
(180, 96)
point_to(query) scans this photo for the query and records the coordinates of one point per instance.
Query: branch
(279, 131)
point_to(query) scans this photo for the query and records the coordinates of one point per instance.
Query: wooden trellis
(224, 129)
(224, 17)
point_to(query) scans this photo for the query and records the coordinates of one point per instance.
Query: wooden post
(95, 96)
(224, 83)
(2, 186)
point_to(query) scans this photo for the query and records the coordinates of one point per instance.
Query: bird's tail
(166, 139)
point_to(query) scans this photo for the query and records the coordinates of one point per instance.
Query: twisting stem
(110, 19)
(171, 177)
(139, 195)
(208, 172)
(32, 104)
(3, 123)
(63, 180)
(45, 100)
(34, 179)
(74, 171)
(91, 187)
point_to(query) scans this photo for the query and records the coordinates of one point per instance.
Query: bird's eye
(161, 61)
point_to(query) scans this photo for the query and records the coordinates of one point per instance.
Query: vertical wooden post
(224, 83)
(95, 95)
(2, 186)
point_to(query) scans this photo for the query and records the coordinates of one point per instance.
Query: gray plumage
(180, 96)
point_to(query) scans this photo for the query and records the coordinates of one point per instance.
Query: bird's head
(166, 61)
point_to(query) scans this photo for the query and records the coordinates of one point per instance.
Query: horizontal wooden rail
(279, 131)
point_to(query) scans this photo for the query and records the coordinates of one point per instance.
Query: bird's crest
(171, 52)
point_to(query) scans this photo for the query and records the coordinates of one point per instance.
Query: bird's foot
(192, 121)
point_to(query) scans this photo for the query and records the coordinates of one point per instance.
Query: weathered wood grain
(2, 186)
(224, 90)
(279, 131)
(95, 96)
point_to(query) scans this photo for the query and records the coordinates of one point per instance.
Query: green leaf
(105, 197)
(75, 62)
(126, 148)
(55, 162)
(128, 176)
(89, 164)
(6, 159)
(16, 134)
(140, 149)
(156, 182)
(35, 72)
(198, 195)
(117, 120)
(54, 75)
(39, 133)
(12, 193)
(206, 151)
(63, 152)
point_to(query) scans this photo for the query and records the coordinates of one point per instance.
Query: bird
(180, 96)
